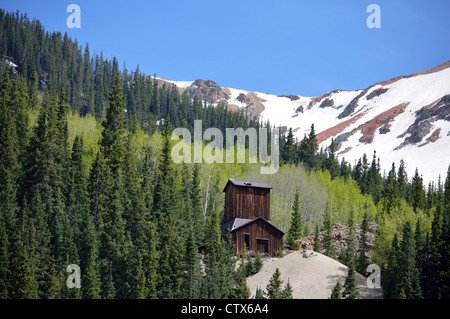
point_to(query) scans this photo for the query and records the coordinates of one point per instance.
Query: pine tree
(351, 290)
(170, 265)
(422, 245)
(290, 149)
(418, 192)
(150, 261)
(392, 273)
(274, 286)
(259, 293)
(258, 262)
(114, 127)
(162, 194)
(317, 239)
(363, 261)
(349, 255)
(78, 201)
(296, 228)
(409, 279)
(91, 285)
(391, 191)
(197, 212)
(308, 149)
(435, 251)
(328, 238)
(240, 289)
(332, 164)
(337, 291)
(374, 181)
(192, 280)
(5, 270)
(24, 282)
(287, 291)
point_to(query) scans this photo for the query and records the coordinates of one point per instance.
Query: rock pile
(340, 234)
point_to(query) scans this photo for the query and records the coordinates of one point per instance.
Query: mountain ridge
(406, 117)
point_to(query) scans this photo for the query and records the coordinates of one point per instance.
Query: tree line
(133, 220)
(412, 242)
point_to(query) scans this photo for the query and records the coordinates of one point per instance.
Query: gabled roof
(247, 183)
(237, 223)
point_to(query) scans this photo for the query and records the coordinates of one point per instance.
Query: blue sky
(300, 47)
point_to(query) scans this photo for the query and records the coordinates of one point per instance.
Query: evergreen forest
(86, 178)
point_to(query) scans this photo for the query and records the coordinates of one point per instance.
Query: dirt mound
(311, 275)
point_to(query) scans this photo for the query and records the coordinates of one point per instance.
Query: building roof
(237, 223)
(247, 183)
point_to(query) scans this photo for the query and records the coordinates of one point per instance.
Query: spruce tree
(332, 164)
(197, 211)
(259, 293)
(363, 261)
(418, 192)
(349, 255)
(289, 152)
(192, 262)
(296, 228)
(258, 262)
(151, 259)
(409, 279)
(435, 251)
(328, 238)
(336, 293)
(351, 290)
(392, 273)
(24, 282)
(317, 239)
(91, 285)
(274, 286)
(308, 149)
(114, 126)
(287, 291)
(162, 194)
(5, 267)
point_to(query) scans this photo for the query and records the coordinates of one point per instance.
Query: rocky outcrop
(209, 91)
(438, 110)
(253, 104)
(376, 92)
(340, 233)
(290, 97)
(351, 107)
(326, 103)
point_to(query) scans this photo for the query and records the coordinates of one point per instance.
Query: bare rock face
(439, 110)
(340, 234)
(376, 92)
(326, 103)
(208, 90)
(290, 97)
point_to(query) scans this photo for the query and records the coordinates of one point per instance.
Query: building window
(247, 240)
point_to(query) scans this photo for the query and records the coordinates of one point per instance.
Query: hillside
(311, 277)
(407, 117)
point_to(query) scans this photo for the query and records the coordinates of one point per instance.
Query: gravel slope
(311, 278)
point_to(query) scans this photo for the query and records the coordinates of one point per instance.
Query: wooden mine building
(247, 217)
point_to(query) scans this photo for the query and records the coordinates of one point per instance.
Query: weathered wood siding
(258, 230)
(246, 202)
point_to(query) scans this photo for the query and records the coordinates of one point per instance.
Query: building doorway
(262, 245)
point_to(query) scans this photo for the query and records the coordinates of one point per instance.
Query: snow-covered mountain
(407, 117)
